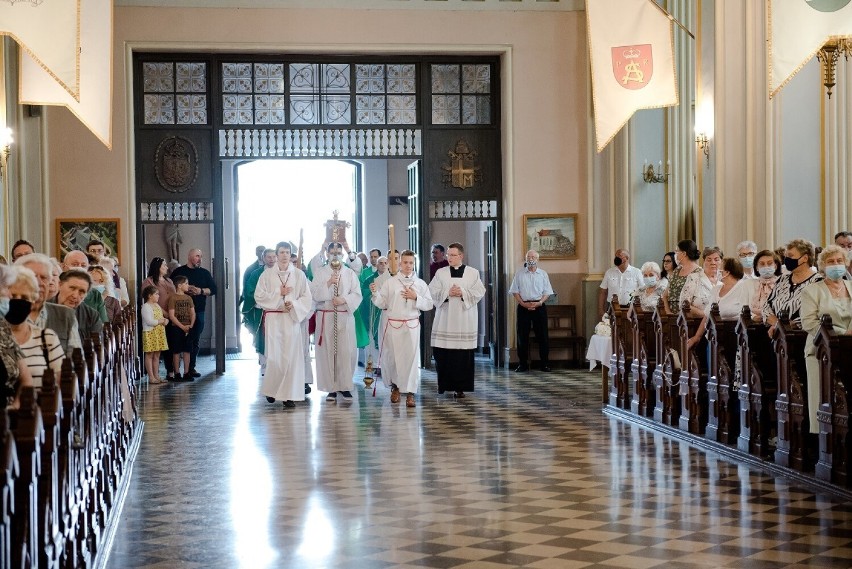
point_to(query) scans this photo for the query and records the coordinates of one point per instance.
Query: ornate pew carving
(788, 398)
(620, 361)
(667, 372)
(644, 360)
(834, 354)
(723, 421)
(693, 383)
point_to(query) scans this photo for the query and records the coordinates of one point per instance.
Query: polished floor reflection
(526, 472)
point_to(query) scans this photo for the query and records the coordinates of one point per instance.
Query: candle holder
(654, 176)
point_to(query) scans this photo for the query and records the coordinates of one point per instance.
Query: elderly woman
(14, 373)
(653, 286)
(832, 296)
(698, 289)
(786, 296)
(40, 347)
(747, 251)
(685, 256)
(102, 283)
(55, 271)
(732, 293)
(767, 268)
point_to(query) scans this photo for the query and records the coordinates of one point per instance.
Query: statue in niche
(171, 232)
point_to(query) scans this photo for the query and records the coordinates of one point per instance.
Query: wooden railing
(66, 451)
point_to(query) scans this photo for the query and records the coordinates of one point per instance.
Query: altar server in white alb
(285, 297)
(337, 292)
(456, 291)
(402, 297)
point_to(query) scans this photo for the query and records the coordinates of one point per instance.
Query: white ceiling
(499, 5)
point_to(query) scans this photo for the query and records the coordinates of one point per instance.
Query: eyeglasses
(747, 254)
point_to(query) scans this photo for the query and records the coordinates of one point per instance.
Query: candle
(392, 266)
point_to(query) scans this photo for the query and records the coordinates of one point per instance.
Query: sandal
(394, 398)
(409, 401)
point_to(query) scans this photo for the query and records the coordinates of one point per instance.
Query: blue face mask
(747, 262)
(99, 288)
(766, 272)
(835, 272)
(650, 281)
(4, 306)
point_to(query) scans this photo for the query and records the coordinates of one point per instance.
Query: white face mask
(650, 281)
(766, 272)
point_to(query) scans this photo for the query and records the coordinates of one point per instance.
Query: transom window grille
(386, 94)
(175, 92)
(253, 93)
(461, 94)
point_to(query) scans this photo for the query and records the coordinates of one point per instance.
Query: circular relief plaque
(827, 5)
(176, 164)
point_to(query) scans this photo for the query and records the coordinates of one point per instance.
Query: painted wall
(800, 161)
(544, 111)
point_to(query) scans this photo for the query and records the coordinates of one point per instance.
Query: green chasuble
(362, 320)
(252, 315)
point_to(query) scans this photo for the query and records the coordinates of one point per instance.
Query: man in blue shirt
(531, 288)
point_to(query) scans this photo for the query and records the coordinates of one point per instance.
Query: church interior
(469, 121)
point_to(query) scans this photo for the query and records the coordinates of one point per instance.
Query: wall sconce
(704, 145)
(655, 176)
(5, 147)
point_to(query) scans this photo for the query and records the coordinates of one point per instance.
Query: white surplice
(349, 288)
(456, 319)
(400, 354)
(285, 347)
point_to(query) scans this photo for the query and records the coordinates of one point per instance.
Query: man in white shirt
(622, 279)
(531, 288)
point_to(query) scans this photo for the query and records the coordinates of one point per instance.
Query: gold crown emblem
(631, 53)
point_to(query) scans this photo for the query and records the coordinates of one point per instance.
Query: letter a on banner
(49, 31)
(631, 50)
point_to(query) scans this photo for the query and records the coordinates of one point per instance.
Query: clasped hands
(530, 305)
(456, 290)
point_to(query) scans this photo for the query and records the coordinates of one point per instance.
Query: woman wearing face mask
(767, 269)
(732, 293)
(685, 256)
(747, 252)
(104, 285)
(40, 347)
(14, 373)
(653, 286)
(698, 289)
(787, 294)
(832, 296)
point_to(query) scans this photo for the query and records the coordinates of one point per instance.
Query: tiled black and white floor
(527, 472)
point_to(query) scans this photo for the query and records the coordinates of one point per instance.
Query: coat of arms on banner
(632, 65)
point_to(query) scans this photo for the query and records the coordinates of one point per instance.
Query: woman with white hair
(102, 283)
(832, 296)
(653, 286)
(40, 348)
(14, 373)
(746, 253)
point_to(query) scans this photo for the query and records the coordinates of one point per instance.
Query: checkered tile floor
(525, 472)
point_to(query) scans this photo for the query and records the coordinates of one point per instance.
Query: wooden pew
(11, 472)
(667, 371)
(834, 354)
(723, 420)
(784, 405)
(26, 424)
(644, 360)
(621, 359)
(50, 505)
(693, 377)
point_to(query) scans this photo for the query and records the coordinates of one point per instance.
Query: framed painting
(75, 234)
(553, 235)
